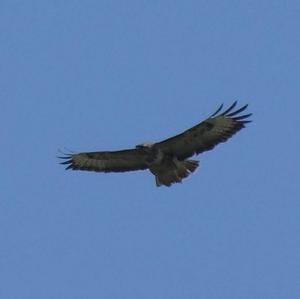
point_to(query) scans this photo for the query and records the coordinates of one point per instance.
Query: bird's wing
(207, 134)
(115, 161)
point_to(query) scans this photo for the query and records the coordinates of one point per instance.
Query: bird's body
(167, 169)
(166, 160)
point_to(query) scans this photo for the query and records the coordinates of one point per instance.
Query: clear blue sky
(105, 75)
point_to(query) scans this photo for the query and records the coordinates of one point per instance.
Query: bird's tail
(183, 169)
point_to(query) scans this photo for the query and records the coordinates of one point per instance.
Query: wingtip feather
(66, 162)
(238, 111)
(218, 110)
(233, 114)
(242, 116)
(230, 108)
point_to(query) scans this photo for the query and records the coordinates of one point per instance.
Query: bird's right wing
(112, 161)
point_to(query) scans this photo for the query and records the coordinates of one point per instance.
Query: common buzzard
(166, 159)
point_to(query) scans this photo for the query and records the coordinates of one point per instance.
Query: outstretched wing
(116, 161)
(206, 135)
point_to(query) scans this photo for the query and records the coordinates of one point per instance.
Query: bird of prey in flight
(167, 160)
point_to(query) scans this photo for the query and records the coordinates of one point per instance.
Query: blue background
(106, 75)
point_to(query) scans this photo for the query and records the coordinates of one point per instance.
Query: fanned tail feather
(183, 170)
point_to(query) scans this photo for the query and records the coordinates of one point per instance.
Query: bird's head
(145, 145)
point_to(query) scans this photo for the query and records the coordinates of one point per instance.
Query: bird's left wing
(207, 134)
(109, 161)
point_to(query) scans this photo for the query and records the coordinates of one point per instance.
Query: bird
(168, 159)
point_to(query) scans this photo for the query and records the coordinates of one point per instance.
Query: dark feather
(230, 108)
(218, 110)
(238, 111)
(242, 116)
